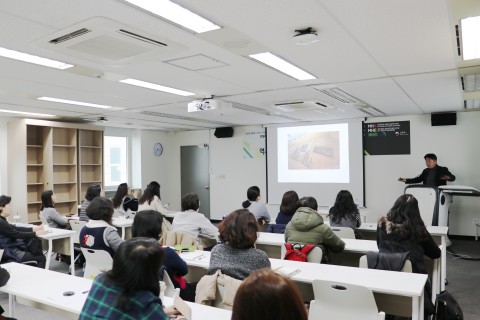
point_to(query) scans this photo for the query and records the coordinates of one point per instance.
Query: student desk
(271, 243)
(43, 289)
(397, 293)
(60, 245)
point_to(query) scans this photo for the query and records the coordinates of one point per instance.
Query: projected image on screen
(312, 151)
(313, 154)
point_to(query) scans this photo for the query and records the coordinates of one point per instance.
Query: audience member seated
(287, 207)
(307, 227)
(20, 244)
(131, 289)
(193, 222)
(148, 224)
(98, 233)
(48, 212)
(125, 200)
(93, 191)
(236, 256)
(265, 295)
(344, 212)
(254, 206)
(403, 230)
(150, 199)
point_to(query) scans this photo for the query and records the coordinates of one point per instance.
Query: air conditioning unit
(209, 105)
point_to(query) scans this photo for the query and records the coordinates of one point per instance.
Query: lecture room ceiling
(372, 57)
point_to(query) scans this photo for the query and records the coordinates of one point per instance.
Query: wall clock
(157, 149)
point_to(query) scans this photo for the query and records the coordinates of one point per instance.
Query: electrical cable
(462, 256)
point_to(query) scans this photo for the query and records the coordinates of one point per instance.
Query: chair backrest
(1, 253)
(170, 290)
(97, 261)
(44, 221)
(314, 256)
(173, 238)
(344, 232)
(407, 267)
(77, 225)
(343, 301)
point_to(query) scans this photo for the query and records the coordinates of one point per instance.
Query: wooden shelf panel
(35, 155)
(65, 192)
(91, 156)
(37, 135)
(35, 174)
(64, 173)
(64, 155)
(90, 138)
(34, 193)
(64, 136)
(69, 207)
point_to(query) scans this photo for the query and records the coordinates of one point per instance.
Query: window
(115, 161)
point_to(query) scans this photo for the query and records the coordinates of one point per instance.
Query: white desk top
(122, 222)
(433, 230)
(389, 282)
(56, 233)
(47, 287)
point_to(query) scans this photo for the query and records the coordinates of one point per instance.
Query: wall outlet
(475, 221)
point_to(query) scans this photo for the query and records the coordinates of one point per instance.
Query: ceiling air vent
(141, 38)
(299, 106)
(70, 36)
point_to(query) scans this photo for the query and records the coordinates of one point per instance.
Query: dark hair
(100, 208)
(405, 213)
(122, 191)
(252, 195)
(4, 200)
(135, 268)
(190, 201)
(47, 201)
(308, 202)
(430, 156)
(152, 190)
(344, 207)
(266, 295)
(239, 229)
(93, 191)
(148, 224)
(289, 202)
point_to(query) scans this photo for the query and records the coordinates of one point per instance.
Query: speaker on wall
(444, 119)
(226, 132)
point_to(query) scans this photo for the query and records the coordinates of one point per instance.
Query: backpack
(297, 252)
(447, 308)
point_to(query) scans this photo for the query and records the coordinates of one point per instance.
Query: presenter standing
(433, 175)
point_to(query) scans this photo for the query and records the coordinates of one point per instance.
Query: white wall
(456, 147)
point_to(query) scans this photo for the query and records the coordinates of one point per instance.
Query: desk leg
(443, 272)
(72, 256)
(417, 307)
(11, 305)
(436, 278)
(123, 233)
(49, 254)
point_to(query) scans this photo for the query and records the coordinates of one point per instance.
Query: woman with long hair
(403, 230)
(124, 200)
(287, 207)
(151, 200)
(344, 212)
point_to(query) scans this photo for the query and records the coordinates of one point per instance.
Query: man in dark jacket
(433, 175)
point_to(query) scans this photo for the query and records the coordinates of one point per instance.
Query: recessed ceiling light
(177, 14)
(79, 103)
(470, 38)
(282, 66)
(157, 87)
(7, 53)
(28, 113)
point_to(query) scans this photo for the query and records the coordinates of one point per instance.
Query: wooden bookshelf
(90, 170)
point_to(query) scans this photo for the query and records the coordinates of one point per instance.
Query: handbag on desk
(447, 308)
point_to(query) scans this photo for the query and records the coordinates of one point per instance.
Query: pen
(85, 291)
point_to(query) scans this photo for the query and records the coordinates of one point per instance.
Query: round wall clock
(157, 149)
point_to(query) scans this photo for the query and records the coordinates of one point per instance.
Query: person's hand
(37, 228)
(445, 177)
(402, 179)
(41, 232)
(171, 311)
(135, 193)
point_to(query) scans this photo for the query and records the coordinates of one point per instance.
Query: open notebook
(286, 271)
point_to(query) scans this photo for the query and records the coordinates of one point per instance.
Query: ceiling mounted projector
(305, 36)
(208, 105)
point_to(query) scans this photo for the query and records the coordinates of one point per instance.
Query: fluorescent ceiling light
(282, 66)
(157, 87)
(7, 53)
(79, 103)
(177, 14)
(28, 113)
(470, 38)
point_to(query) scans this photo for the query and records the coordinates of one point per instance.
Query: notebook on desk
(286, 271)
